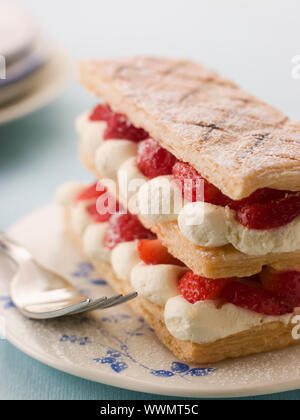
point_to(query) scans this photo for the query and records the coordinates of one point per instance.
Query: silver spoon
(41, 294)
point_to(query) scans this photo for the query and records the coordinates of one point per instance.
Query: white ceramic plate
(17, 30)
(116, 347)
(40, 89)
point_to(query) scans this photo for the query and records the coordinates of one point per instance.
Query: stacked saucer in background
(33, 69)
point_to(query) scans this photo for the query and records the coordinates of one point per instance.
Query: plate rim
(132, 384)
(39, 99)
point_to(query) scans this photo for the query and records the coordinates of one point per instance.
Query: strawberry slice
(154, 252)
(125, 228)
(101, 112)
(118, 127)
(256, 300)
(195, 288)
(271, 214)
(96, 216)
(102, 210)
(94, 191)
(196, 188)
(269, 279)
(261, 196)
(153, 160)
(286, 285)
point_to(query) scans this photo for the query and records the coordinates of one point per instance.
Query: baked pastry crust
(209, 262)
(267, 337)
(236, 141)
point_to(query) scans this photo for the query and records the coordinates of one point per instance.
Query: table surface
(39, 152)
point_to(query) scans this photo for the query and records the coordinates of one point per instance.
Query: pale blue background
(250, 41)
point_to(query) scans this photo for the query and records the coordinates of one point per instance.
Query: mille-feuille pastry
(236, 232)
(200, 320)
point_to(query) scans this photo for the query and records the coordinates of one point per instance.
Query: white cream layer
(202, 322)
(201, 223)
(211, 226)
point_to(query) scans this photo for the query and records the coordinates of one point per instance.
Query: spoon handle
(12, 250)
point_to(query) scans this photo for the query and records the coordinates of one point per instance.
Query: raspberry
(286, 285)
(91, 192)
(153, 252)
(153, 160)
(125, 228)
(196, 188)
(254, 299)
(271, 214)
(195, 288)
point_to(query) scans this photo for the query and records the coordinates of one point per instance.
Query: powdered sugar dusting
(210, 122)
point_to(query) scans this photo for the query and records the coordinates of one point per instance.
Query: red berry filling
(264, 209)
(256, 300)
(125, 228)
(154, 252)
(104, 208)
(195, 187)
(153, 160)
(195, 288)
(105, 204)
(286, 285)
(269, 293)
(118, 126)
(270, 214)
(89, 193)
(101, 113)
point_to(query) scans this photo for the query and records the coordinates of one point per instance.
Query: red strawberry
(94, 191)
(153, 252)
(194, 288)
(261, 196)
(125, 228)
(118, 127)
(101, 113)
(104, 208)
(97, 217)
(195, 187)
(256, 300)
(271, 214)
(153, 160)
(286, 285)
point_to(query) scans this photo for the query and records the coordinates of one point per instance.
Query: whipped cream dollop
(124, 258)
(130, 178)
(156, 283)
(112, 154)
(80, 218)
(67, 193)
(204, 224)
(204, 322)
(94, 242)
(90, 133)
(160, 200)
(208, 225)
